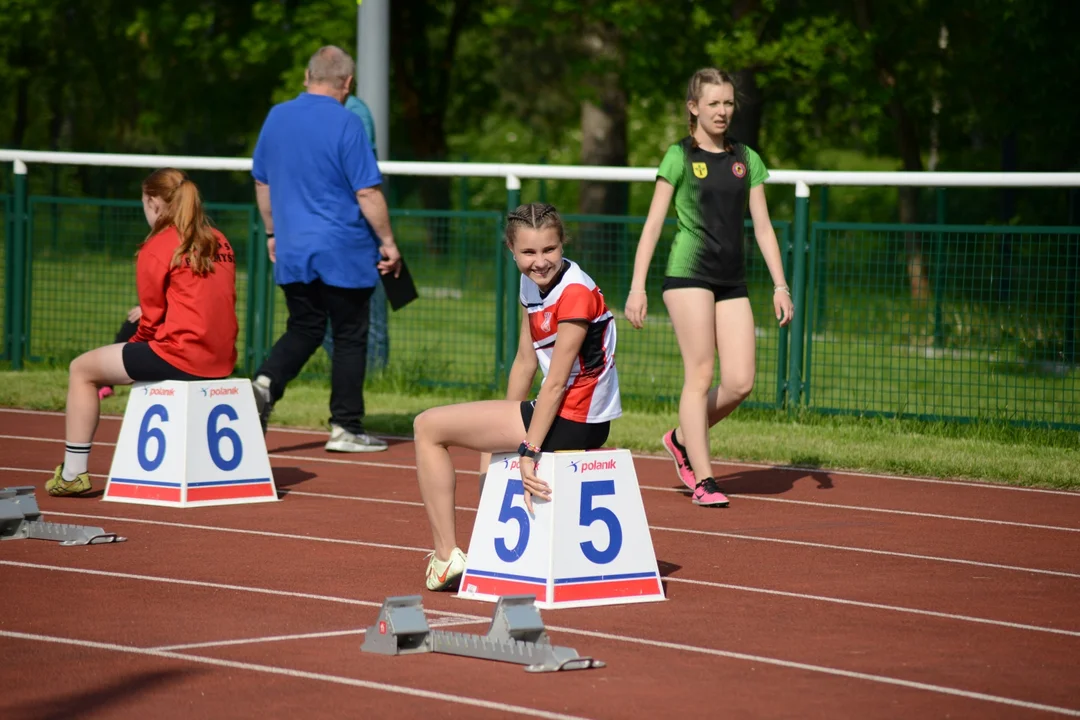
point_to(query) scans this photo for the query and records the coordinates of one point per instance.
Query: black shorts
(568, 434)
(720, 292)
(144, 365)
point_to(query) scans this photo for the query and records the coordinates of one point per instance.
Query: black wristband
(524, 451)
(269, 235)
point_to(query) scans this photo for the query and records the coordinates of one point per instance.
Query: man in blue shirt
(378, 350)
(313, 165)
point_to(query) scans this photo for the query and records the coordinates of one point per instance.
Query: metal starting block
(20, 519)
(516, 635)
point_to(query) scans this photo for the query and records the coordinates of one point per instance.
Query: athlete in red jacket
(186, 276)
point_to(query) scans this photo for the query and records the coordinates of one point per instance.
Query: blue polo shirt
(315, 155)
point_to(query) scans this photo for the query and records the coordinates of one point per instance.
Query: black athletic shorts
(144, 365)
(568, 434)
(720, 292)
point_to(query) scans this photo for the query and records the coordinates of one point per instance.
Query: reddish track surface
(815, 595)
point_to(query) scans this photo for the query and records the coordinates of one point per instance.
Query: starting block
(187, 444)
(589, 545)
(20, 519)
(516, 635)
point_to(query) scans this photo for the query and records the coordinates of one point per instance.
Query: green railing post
(258, 297)
(811, 312)
(9, 274)
(798, 295)
(252, 315)
(783, 337)
(508, 332)
(1072, 269)
(19, 268)
(819, 266)
(938, 270)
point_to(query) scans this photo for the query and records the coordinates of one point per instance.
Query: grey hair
(330, 65)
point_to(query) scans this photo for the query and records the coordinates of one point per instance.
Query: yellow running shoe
(57, 485)
(445, 575)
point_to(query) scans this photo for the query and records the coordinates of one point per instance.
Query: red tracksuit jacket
(189, 321)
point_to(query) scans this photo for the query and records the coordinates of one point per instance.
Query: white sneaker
(341, 440)
(445, 575)
(264, 401)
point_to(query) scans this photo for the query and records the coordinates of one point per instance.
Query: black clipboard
(400, 290)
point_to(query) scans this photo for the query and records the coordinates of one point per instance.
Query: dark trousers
(310, 305)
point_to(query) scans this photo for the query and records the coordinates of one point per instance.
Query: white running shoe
(445, 575)
(341, 440)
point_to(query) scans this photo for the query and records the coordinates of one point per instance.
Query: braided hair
(535, 216)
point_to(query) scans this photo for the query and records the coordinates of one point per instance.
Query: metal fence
(933, 321)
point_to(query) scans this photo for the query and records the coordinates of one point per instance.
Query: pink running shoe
(707, 494)
(104, 392)
(682, 463)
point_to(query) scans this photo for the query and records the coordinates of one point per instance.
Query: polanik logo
(509, 464)
(545, 325)
(738, 170)
(588, 465)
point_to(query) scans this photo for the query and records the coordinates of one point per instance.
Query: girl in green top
(711, 179)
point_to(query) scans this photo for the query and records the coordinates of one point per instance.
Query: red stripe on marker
(611, 589)
(499, 586)
(144, 492)
(229, 492)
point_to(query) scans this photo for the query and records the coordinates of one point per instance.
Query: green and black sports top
(711, 193)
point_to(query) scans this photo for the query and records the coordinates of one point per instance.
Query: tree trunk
(22, 112)
(746, 125)
(422, 80)
(603, 142)
(908, 144)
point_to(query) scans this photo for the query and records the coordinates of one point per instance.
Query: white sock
(76, 459)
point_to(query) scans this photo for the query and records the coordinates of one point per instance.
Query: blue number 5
(507, 513)
(589, 515)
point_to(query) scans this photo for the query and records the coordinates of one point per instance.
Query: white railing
(515, 172)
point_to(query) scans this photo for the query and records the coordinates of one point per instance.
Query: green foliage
(505, 79)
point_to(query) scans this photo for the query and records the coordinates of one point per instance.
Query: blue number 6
(589, 515)
(214, 437)
(507, 513)
(146, 433)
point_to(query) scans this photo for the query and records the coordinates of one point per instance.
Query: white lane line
(298, 674)
(836, 672)
(971, 484)
(874, 606)
(886, 553)
(255, 641)
(436, 623)
(720, 534)
(710, 533)
(621, 639)
(910, 513)
(706, 533)
(738, 497)
(455, 617)
(239, 531)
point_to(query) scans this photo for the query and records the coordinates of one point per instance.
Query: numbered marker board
(588, 545)
(186, 444)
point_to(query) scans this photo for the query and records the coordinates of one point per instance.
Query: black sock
(678, 445)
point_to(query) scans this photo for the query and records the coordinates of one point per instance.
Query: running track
(816, 595)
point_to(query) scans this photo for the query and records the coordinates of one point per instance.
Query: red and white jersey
(592, 390)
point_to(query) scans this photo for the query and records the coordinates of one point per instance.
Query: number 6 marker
(191, 443)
